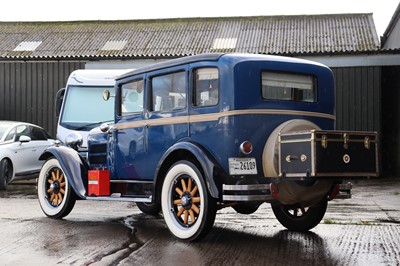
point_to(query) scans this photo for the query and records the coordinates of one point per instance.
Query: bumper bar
(267, 192)
(259, 192)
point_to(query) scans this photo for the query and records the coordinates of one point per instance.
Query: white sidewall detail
(47, 208)
(174, 226)
(271, 148)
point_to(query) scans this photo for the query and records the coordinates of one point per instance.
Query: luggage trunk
(319, 153)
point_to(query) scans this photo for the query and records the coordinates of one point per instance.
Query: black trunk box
(318, 153)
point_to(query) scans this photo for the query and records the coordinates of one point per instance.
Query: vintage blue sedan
(196, 134)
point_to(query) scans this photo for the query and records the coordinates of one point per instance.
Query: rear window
(288, 87)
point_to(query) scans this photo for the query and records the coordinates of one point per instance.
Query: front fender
(206, 160)
(74, 166)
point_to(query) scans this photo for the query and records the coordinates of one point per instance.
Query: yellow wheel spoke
(194, 191)
(178, 201)
(181, 210)
(49, 190)
(195, 208)
(60, 197)
(62, 191)
(180, 192)
(56, 199)
(53, 176)
(192, 215)
(183, 185)
(62, 184)
(189, 188)
(196, 200)
(61, 177)
(50, 181)
(186, 217)
(52, 197)
(58, 174)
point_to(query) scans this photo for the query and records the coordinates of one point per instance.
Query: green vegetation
(329, 221)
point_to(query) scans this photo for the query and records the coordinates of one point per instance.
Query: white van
(80, 106)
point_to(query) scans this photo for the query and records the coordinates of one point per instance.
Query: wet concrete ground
(364, 230)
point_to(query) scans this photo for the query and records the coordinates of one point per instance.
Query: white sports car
(21, 144)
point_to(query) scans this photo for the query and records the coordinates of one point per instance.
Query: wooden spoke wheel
(186, 200)
(188, 209)
(56, 184)
(55, 194)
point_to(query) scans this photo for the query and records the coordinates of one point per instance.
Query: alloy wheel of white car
(5, 173)
(189, 210)
(55, 194)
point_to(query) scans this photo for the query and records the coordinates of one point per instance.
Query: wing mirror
(23, 139)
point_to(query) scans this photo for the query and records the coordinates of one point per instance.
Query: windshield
(84, 107)
(3, 128)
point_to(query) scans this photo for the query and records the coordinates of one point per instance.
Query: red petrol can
(99, 182)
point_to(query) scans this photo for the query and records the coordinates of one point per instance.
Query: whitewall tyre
(56, 196)
(189, 210)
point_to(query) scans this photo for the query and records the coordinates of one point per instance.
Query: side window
(22, 131)
(10, 135)
(206, 86)
(132, 97)
(288, 87)
(169, 92)
(38, 134)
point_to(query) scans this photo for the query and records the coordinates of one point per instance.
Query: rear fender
(205, 159)
(74, 166)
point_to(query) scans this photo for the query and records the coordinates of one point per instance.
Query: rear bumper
(258, 192)
(268, 192)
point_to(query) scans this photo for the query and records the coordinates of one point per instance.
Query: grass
(329, 221)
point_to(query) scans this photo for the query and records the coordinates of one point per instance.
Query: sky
(75, 10)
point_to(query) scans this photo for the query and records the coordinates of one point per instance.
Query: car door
(40, 140)
(168, 122)
(129, 154)
(21, 152)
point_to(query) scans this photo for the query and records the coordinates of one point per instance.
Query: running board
(119, 197)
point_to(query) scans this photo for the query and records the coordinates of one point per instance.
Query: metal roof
(282, 35)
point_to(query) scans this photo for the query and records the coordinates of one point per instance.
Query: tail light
(274, 191)
(246, 147)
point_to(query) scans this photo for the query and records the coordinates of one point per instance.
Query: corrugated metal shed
(311, 34)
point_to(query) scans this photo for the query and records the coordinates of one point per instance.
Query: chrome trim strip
(245, 187)
(295, 141)
(111, 198)
(215, 117)
(246, 197)
(317, 175)
(350, 140)
(130, 181)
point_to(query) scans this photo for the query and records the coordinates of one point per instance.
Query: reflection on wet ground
(15, 191)
(363, 230)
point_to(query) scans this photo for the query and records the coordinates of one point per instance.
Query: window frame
(292, 90)
(120, 100)
(151, 91)
(194, 89)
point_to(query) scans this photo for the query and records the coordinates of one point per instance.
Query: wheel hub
(187, 201)
(55, 187)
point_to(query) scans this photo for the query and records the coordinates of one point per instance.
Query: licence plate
(242, 166)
